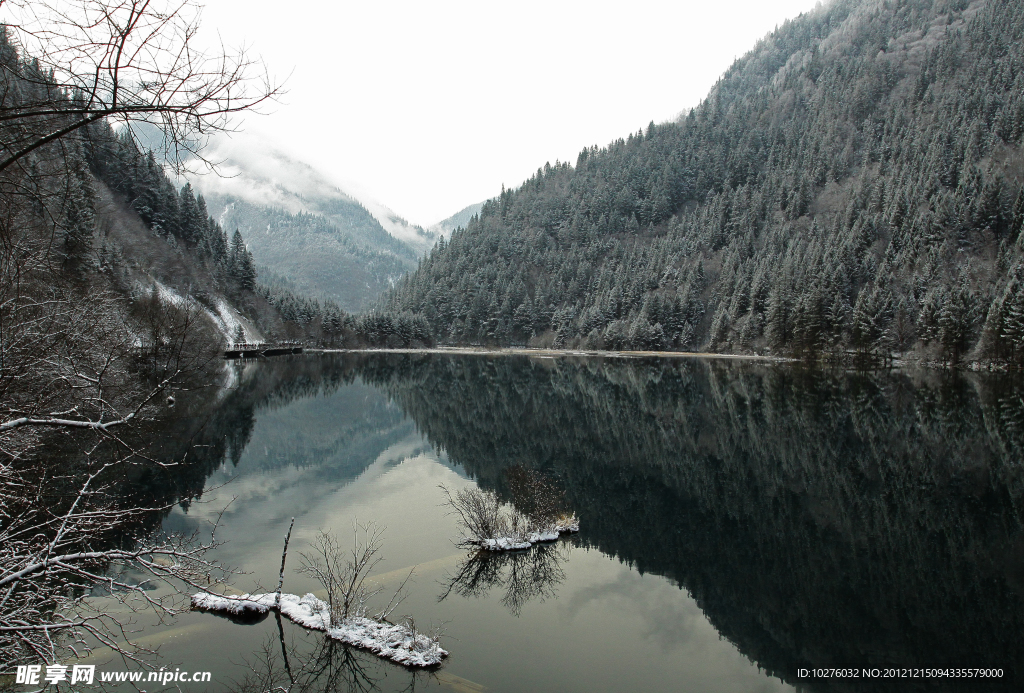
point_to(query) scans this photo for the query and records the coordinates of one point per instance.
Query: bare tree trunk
(284, 556)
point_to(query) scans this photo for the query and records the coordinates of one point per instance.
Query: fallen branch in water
(343, 616)
(399, 642)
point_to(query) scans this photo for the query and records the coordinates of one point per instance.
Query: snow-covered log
(564, 525)
(397, 642)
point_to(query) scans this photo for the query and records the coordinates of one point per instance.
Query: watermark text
(37, 674)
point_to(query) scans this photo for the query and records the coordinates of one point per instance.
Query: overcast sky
(431, 106)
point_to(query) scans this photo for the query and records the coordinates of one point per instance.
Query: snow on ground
(504, 544)
(397, 642)
(226, 319)
(169, 295)
(236, 606)
(564, 525)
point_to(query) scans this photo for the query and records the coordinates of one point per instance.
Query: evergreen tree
(242, 267)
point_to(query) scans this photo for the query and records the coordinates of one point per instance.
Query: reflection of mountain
(313, 412)
(343, 431)
(297, 428)
(819, 519)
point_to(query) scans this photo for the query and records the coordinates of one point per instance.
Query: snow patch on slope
(226, 319)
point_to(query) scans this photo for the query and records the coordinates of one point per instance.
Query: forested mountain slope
(154, 235)
(149, 234)
(322, 256)
(854, 182)
(95, 236)
(301, 225)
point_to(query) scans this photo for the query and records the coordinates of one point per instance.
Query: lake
(740, 521)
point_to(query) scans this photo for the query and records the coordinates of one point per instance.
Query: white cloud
(254, 168)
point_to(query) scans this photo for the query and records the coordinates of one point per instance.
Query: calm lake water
(739, 521)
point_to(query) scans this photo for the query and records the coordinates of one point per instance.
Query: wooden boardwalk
(247, 350)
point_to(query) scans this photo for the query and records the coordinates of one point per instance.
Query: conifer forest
(853, 184)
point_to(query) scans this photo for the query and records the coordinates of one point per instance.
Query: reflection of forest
(348, 434)
(818, 518)
(200, 438)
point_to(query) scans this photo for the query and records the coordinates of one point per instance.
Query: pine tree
(1017, 216)
(242, 267)
(956, 321)
(191, 222)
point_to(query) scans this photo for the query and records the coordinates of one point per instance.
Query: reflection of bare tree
(524, 575)
(318, 664)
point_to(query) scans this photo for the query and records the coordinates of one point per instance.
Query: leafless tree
(538, 504)
(130, 61)
(73, 413)
(483, 516)
(76, 398)
(61, 546)
(345, 574)
(82, 374)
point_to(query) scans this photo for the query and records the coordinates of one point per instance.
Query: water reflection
(816, 518)
(819, 519)
(317, 664)
(523, 575)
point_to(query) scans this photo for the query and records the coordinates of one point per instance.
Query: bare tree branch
(134, 62)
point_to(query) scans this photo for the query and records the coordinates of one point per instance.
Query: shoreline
(546, 353)
(549, 353)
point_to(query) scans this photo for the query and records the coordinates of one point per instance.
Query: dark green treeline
(853, 183)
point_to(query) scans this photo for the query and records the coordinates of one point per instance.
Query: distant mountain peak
(460, 218)
(253, 169)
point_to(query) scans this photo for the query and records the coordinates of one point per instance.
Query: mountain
(303, 227)
(458, 220)
(853, 183)
(313, 252)
(110, 266)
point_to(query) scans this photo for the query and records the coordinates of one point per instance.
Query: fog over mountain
(255, 170)
(305, 228)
